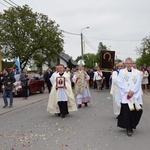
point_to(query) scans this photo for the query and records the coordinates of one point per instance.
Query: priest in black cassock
(130, 97)
(61, 98)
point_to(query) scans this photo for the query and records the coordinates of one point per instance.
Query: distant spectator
(98, 77)
(148, 69)
(47, 77)
(91, 74)
(145, 79)
(24, 84)
(8, 80)
(1, 77)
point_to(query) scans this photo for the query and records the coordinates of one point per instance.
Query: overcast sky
(119, 24)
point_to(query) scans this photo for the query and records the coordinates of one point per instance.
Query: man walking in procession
(61, 98)
(129, 83)
(81, 90)
(114, 89)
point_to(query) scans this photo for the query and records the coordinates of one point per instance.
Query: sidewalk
(19, 102)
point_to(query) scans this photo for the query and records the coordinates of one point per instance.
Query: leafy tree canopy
(101, 47)
(144, 51)
(144, 59)
(29, 36)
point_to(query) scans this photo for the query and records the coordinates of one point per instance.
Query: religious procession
(62, 87)
(71, 91)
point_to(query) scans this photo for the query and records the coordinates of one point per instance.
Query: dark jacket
(23, 79)
(8, 78)
(47, 76)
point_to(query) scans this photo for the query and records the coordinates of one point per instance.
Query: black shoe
(59, 114)
(129, 132)
(79, 106)
(86, 105)
(62, 116)
(117, 117)
(4, 106)
(10, 106)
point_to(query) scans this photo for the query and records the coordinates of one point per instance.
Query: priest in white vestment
(81, 89)
(61, 99)
(114, 89)
(129, 83)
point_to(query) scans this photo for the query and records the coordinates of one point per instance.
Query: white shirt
(97, 75)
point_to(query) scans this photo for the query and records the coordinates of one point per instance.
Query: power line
(85, 39)
(92, 47)
(104, 39)
(78, 35)
(8, 3)
(89, 44)
(72, 37)
(13, 2)
(4, 5)
(69, 32)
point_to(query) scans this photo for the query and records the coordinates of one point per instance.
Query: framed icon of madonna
(107, 59)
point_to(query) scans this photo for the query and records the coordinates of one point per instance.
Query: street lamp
(82, 43)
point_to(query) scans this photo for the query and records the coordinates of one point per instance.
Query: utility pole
(82, 44)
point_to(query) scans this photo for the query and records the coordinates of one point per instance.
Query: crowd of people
(69, 90)
(125, 83)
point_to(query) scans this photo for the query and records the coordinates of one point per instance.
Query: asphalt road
(90, 128)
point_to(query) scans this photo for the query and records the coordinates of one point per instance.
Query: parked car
(35, 84)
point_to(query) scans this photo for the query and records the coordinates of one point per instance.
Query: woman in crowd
(145, 79)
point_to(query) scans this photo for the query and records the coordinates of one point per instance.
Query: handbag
(8, 87)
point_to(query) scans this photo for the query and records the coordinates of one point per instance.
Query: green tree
(29, 36)
(144, 59)
(89, 60)
(145, 46)
(101, 47)
(144, 51)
